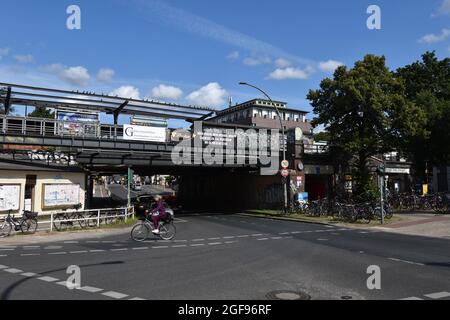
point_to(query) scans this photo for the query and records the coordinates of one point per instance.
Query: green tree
(363, 109)
(322, 136)
(427, 84)
(42, 112)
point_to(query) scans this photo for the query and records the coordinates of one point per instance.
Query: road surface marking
(230, 242)
(31, 247)
(114, 295)
(77, 252)
(229, 237)
(412, 298)
(406, 261)
(244, 236)
(57, 253)
(276, 238)
(178, 241)
(6, 249)
(29, 274)
(30, 254)
(257, 235)
(136, 298)
(48, 279)
(97, 250)
(160, 247)
(438, 295)
(180, 246)
(3, 267)
(121, 249)
(296, 232)
(284, 233)
(262, 239)
(53, 248)
(197, 245)
(62, 283)
(92, 241)
(3, 255)
(214, 243)
(197, 240)
(90, 289)
(140, 248)
(218, 238)
(109, 241)
(71, 242)
(13, 270)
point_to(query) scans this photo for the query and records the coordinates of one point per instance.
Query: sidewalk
(421, 224)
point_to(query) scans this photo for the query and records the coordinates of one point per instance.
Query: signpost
(285, 173)
(284, 164)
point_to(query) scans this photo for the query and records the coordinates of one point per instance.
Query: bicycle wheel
(5, 229)
(59, 224)
(81, 220)
(29, 226)
(92, 220)
(140, 232)
(167, 231)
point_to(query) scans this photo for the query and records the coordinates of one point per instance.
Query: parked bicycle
(141, 231)
(28, 223)
(65, 220)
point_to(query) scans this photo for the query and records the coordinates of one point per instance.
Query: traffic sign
(285, 173)
(284, 164)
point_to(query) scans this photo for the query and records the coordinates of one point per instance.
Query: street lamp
(282, 133)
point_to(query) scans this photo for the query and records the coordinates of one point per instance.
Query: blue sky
(196, 51)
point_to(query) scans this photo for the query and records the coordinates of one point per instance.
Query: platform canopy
(14, 94)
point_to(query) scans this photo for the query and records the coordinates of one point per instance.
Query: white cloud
(256, 61)
(233, 55)
(24, 58)
(291, 73)
(167, 14)
(105, 75)
(330, 65)
(127, 92)
(73, 75)
(166, 92)
(444, 9)
(282, 63)
(212, 95)
(433, 38)
(3, 52)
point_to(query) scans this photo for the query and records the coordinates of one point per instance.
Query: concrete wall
(19, 177)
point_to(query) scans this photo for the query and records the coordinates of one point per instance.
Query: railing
(79, 219)
(58, 128)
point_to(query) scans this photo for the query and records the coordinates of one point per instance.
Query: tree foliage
(42, 112)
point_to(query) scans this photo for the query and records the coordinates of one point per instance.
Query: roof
(252, 104)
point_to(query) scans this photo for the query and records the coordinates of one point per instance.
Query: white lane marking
(406, 261)
(62, 283)
(6, 249)
(140, 248)
(3, 267)
(29, 274)
(411, 298)
(296, 232)
(70, 242)
(13, 270)
(30, 254)
(48, 279)
(283, 233)
(136, 299)
(3, 255)
(180, 246)
(97, 250)
(181, 220)
(438, 295)
(90, 289)
(53, 248)
(57, 253)
(93, 241)
(229, 237)
(230, 242)
(262, 239)
(180, 241)
(77, 252)
(160, 247)
(121, 249)
(289, 237)
(276, 238)
(197, 245)
(214, 243)
(114, 295)
(31, 247)
(197, 240)
(257, 235)
(217, 238)
(363, 232)
(243, 236)
(109, 241)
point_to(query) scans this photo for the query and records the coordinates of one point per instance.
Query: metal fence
(81, 219)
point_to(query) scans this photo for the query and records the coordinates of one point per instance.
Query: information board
(10, 197)
(60, 195)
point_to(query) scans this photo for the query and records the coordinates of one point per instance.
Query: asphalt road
(231, 257)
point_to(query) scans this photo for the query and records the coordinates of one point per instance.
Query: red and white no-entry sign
(285, 173)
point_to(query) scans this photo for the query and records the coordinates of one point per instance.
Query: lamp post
(282, 133)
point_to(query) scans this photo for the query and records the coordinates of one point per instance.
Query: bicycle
(28, 223)
(141, 231)
(65, 220)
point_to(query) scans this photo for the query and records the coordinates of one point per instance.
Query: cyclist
(158, 213)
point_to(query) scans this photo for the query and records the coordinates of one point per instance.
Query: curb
(285, 219)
